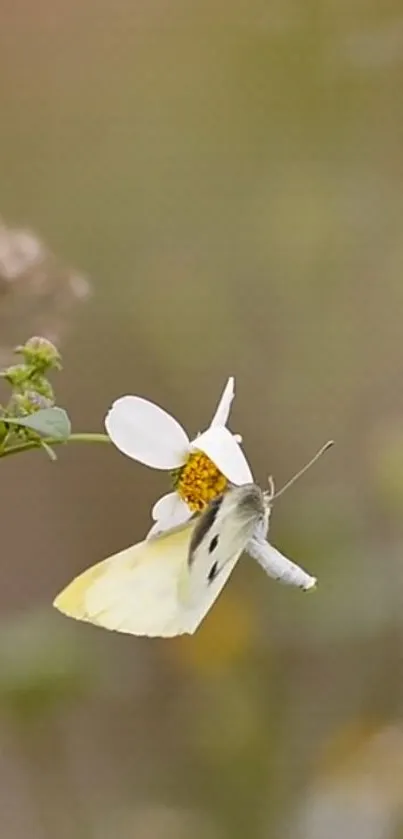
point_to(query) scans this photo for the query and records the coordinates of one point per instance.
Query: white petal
(146, 433)
(220, 446)
(169, 511)
(278, 566)
(170, 506)
(222, 413)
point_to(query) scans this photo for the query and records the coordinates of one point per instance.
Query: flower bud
(43, 388)
(29, 402)
(17, 375)
(40, 353)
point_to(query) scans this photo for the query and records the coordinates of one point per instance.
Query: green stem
(84, 437)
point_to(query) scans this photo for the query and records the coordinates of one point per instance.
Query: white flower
(145, 432)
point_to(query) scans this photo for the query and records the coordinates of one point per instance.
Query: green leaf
(49, 422)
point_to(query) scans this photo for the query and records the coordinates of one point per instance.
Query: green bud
(17, 375)
(25, 379)
(40, 353)
(43, 388)
(22, 404)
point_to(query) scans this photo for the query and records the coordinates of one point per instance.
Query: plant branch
(84, 437)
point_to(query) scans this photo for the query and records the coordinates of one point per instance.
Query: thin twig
(84, 437)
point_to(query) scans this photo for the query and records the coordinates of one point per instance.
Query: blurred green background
(228, 177)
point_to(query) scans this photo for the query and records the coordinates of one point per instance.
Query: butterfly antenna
(273, 494)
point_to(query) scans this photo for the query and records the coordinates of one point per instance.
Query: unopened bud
(29, 402)
(43, 388)
(17, 375)
(40, 353)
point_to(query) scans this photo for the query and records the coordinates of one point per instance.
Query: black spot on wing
(213, 544)
(204, 525)
(213, 572)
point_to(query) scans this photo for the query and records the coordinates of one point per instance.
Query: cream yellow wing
(137, 590)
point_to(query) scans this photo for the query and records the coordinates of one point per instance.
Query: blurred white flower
(20, 251)
(202, 467)
(38, 292)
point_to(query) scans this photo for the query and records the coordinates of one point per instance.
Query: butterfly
(165, 585)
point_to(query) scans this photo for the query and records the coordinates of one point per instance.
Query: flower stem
(84, 437)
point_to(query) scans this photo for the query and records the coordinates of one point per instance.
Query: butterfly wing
(134, 591)
(217, 542)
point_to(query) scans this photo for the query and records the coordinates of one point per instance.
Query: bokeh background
(189, 191)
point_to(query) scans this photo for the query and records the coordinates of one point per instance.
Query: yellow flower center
(199, 481)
